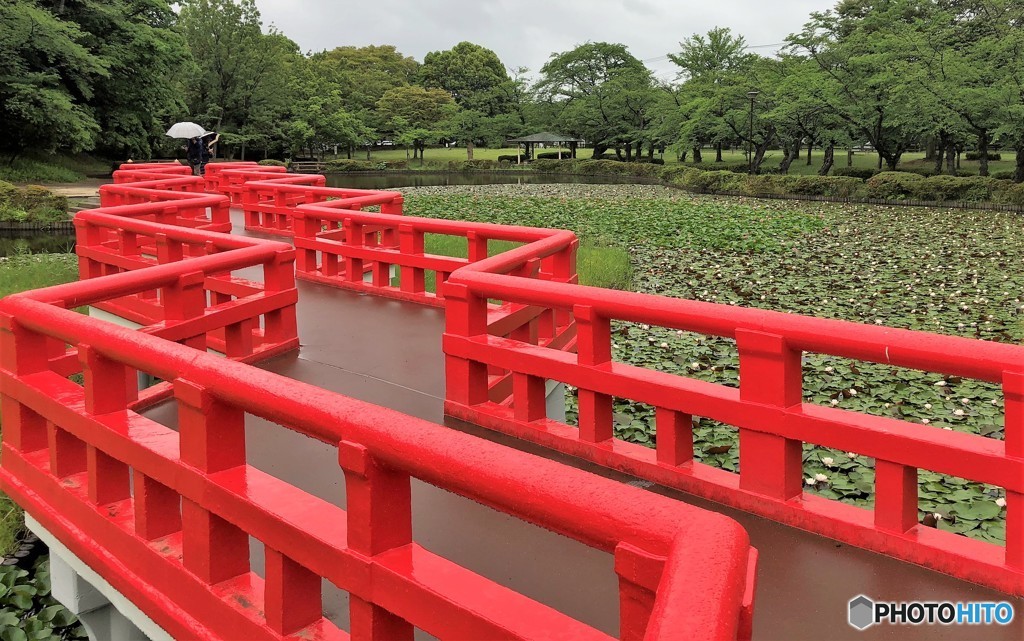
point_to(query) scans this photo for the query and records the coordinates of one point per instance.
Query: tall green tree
(474, 76)
(47, 77)
(415, 114)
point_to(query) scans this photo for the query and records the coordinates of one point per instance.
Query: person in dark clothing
(206, 151)
(193, 154)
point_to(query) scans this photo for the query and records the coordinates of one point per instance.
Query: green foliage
(857, 172)
(31, 204)
(473, 75)
(342, 166)
(28, 612)
(270, 162)
(893, 185)
(974, 155)
(471, 165)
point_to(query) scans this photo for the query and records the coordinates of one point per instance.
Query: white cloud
(526, 32)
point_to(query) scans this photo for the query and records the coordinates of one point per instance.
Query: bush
(735, 167)
(974, 155)
(827, 186)
(509, 159)
(1003, 175)
(1011, 195)
(894, 185)
(7, 193)
(470, 165)
(36, 197)
(553, 155)
(927, 172)
(650, 161)
(554, 166)
(951, 188)
(344, 165)
(712, 181)
(863, 173)
(674, 173)
(10, 214)
(270, 162)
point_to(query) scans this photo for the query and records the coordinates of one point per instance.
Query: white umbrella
(186, 130)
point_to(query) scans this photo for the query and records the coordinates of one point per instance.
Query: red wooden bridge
(213, 501)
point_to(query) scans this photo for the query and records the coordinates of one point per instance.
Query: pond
(12, 243)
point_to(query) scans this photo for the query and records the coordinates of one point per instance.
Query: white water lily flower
(927, 406)
(829, 369)
(851, 454)
(948, 429)
(664, 344)
(925, 421)
(828, 461)
(1001, 502)
(695, 365)
(809, 481)
(940, 383)
(958, 412)
(834, 402)
(938, 517)
(995, 401)
(853, 392)
(820, 478)
(965, 401)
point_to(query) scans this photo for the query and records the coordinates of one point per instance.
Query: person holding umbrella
(196, 152)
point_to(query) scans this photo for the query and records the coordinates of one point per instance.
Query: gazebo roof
(545, 136)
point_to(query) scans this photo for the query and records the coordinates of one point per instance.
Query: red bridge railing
(500, 356)
(166, 516)
(768, 410)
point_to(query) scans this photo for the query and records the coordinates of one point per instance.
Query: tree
(47, 75)
(863, 76)
(319, 119)
(239, 70)
(135, 40)
(473, 75)
(601, 93)
(364, 74)
(415, 114)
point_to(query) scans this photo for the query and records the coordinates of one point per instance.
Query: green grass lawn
(52, 168)
(866, 160)
(937, 270)
(21, 273)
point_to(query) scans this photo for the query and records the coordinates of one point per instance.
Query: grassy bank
(938, 270)
(53, 168)
(17, 274)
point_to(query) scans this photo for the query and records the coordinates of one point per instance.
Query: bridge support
(106, 614)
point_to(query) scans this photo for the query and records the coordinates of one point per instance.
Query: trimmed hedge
(31, 204)
(270, 162)
(344, 165)
(857, 172)
(471, 165)
(974, 155)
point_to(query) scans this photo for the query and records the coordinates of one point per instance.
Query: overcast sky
(526, 32)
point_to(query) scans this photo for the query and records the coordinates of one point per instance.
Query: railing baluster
(292, 594)
(594, 348)
(674, 436)
(379, 509)
(465, 316)
(212, 436)
(411, 243)
(1013, 441)
(770, 375)
(895, 496)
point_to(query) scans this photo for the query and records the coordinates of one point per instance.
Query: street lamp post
(750, 139)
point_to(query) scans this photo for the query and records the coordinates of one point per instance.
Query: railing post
(291, 595)
(212, 437)
(465, 317)
(594, 347)
(186, 300)
(107, 390)
(895, 496)
(22, 352)
(379, 510)
(353, 239)
(279, 275)
(639, 575)
(674, 438)
(394, 207)
(411, 244)
(307, 227)
(476, 247)
(770, 375)
(1013, 436)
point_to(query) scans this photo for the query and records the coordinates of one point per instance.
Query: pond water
(51, 243)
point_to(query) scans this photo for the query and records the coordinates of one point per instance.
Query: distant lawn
(863, 159)
(52, 168)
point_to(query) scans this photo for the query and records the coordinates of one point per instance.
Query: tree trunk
(931, 148)
(891, 161)
(829, 160)
(682, 156)
(243, 149)
(650, 152)
(348, 152)
(983, 152)
(469, 149)
(718, 152)
(629, 152)
(1018, 171)
(759, 152)
(792, 153)
(879, 161)
(849, 158)
(938, 155)
(696, 155)
(938, 151)
(810, 146)
(951, 157)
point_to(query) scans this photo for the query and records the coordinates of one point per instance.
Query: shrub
(1011, 195)
(735, 167)
(761, 185)
(1003, 175)
(554, 166)
(828, 186)
(470, 165)
(952, 188)
(974, 155)
(270, 162)
(7, 193)
(675, 173)
(10, 214)
(509, 159)
(857, 172)
(927, 172)
(650, 161)
(894, 185)
(36, 197)
(553, 155)
(712, 181)
(345, 165)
